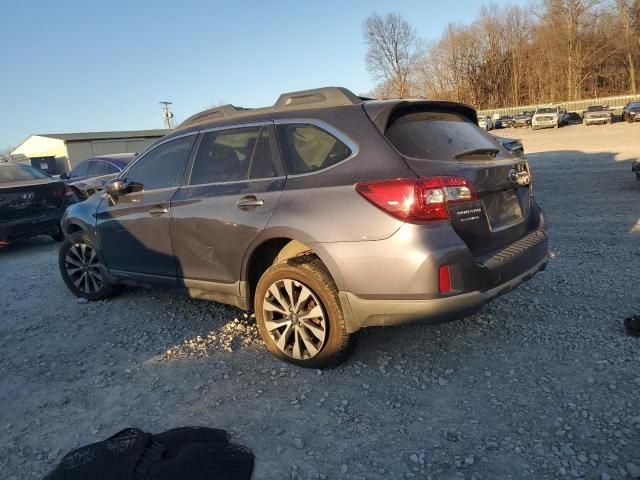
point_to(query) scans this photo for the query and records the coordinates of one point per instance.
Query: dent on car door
(133, 228)
(234, 185)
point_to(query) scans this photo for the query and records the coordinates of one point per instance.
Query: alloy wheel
(83, 268)
(294, 319)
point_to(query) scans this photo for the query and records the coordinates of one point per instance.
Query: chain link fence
(579, 106)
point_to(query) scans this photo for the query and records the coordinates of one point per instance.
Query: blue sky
(74, 66)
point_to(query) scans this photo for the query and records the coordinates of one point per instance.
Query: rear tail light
(418, 199)
(64, 192)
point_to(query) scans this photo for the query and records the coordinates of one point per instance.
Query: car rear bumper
(46, 222)
(493, 276)
(386, 313)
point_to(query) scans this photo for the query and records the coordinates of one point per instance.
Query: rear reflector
(418, 200)
(444, 279)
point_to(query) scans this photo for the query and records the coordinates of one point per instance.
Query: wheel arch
(278, 248)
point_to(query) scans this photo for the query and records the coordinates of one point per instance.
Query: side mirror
(115, 187)
(64, 176)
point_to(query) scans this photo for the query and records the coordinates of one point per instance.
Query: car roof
(305, 103)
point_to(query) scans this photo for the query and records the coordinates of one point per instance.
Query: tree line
(553, 50)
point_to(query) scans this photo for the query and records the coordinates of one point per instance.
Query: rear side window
(233, 155)
(435, 135)
(307, 148)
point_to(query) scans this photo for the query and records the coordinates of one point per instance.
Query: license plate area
(503, 210)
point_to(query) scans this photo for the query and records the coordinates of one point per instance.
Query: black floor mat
(188, 453)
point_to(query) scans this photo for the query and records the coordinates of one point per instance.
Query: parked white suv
(485, 122)
(547, 117)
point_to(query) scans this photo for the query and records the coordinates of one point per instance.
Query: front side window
(163, 166)
(99, 168)
(233, 155)
(81, 170)
(307, 148)
(435, 135)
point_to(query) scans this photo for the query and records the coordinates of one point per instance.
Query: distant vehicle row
(554, 116)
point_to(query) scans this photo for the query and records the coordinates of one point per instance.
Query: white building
(60, 152)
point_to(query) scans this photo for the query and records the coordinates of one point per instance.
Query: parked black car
(573, 118)
(631, 112)
(92, 174)
(324, 214)
(31, 203)
(522, 119)
(505, 121)
(513, 145)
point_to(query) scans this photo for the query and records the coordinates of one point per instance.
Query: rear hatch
(30, 197)
(436, 141)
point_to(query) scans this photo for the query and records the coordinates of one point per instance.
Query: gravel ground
(542, 383)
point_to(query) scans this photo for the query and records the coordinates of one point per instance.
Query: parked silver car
(598, 114)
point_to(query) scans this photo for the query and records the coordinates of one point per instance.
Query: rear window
(596, 108)
(436, 135)
(547, 110)
(20, 173)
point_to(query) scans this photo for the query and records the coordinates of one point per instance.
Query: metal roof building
(60, 152)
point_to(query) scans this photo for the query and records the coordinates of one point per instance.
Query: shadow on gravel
(28, 245)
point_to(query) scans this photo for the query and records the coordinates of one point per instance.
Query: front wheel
(299, 315)
(82, 270)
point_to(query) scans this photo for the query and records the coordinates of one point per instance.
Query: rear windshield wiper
(492, 152)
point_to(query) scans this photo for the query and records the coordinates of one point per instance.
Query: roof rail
(304, 99)
(318, 97)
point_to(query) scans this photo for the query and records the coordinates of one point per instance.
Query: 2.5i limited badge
(469, 214)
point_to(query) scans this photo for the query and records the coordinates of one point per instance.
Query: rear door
(438, 142)
(234, 185)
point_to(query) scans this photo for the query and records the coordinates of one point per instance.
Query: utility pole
(169, 123)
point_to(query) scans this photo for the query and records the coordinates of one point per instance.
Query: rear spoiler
(382, 111)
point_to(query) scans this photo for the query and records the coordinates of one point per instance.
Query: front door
(234, 185)
(133, 229)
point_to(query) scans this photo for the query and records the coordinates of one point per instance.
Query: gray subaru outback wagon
(323, 214)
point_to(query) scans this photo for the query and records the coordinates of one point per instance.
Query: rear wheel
(82, 270)
(299, 314)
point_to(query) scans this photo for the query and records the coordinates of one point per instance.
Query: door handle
(249, 202)
(157, 211)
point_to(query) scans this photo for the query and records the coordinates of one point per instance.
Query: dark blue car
(92, 174)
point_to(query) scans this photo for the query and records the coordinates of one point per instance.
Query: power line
(169, 122)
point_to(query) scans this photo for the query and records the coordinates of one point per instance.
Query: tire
(627, 118)
(318, 341)
(557, 125)
(81, 269)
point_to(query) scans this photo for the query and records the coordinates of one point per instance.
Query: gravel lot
(542, 383)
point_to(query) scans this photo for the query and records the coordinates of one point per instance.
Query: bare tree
(629, 40)
(5, 155)
(392, 53)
